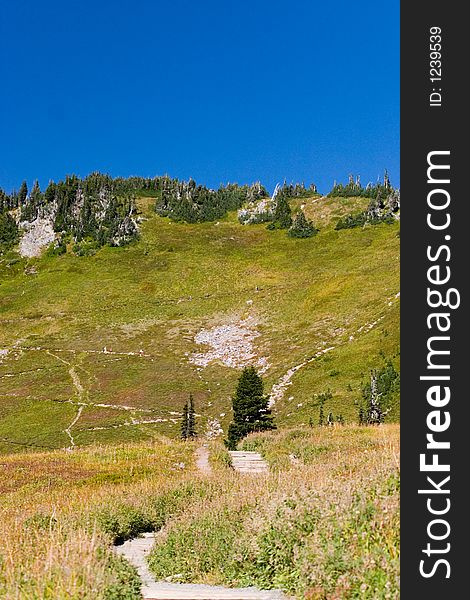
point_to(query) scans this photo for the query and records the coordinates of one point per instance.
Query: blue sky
(216, 90)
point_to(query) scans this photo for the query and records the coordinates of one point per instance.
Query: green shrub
(125, 583)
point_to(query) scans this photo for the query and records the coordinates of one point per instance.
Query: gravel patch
(230, 344)
(37, 235)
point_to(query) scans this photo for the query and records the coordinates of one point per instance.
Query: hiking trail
(136, 550)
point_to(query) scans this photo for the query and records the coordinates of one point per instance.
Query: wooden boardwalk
(248, 462)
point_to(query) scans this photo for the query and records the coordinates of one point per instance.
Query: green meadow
(98, 348)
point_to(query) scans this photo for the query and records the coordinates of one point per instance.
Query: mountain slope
(105, 347)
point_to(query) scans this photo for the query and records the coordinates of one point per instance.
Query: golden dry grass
(322, 524)
(60, 511)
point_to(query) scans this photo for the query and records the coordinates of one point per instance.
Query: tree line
(354, 188)
(278, 213)
(187, 201)
(97, 210)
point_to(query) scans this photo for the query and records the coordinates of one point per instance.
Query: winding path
(137, 550)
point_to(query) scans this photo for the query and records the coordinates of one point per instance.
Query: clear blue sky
(214, 89)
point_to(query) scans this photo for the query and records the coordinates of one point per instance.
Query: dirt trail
(202, 460)
(68, 430)
(80, 392)
(278, 389)
(83, 401)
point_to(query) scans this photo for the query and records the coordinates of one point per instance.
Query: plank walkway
(248, 462)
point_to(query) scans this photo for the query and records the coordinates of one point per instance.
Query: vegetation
(384, 204)
(250, 408)
(61, 511)
(108, 376)
(146, 303)
(188, 420)
(8, 231)
(379, 394)
(282, 214)
(323, 524)
(187, 201)
(354, 188)
(301, 227)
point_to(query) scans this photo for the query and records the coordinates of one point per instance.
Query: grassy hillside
(322, 524)
(145, 304)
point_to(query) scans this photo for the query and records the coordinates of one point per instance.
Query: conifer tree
(49, 194)
(191, 419)
(8, 231)
(302, 227)
(22, 194)
(250, 408)
(184, 423)
(282, 212)
(378, 394)
(30, 210)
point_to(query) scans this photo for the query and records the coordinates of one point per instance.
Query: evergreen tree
(184, 423)
(23, 193)
(191, 423)
(4, 201)
(302, 227)
(30, 209)
(282, 218)
(8, 231)
(250, 408)
(49, 194)
(375, 413)
(320, 402)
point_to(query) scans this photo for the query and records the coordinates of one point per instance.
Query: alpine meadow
(155, 334)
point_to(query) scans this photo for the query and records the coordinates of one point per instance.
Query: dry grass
(323, 524)
(60, 511)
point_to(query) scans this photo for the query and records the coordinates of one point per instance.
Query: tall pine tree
(22, 194)
(184, 423)
(191, 428)
(282, 212)
(8, 231)
(188, 420)
(250, 408)
(302, 227)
